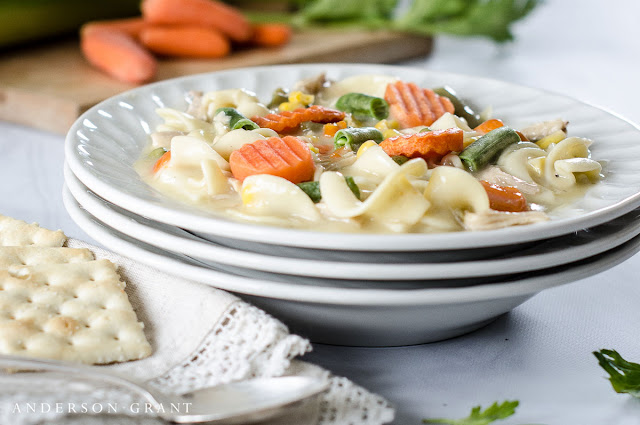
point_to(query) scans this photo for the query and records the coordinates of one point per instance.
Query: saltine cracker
(74, 312)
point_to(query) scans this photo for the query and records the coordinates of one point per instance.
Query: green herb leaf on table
(487, 18)
(624, 375)
(481, 417)
(491, 18)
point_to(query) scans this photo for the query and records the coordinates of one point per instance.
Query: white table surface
(540, 353)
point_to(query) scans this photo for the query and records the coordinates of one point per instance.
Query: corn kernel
(313, 148)
(556, 137)
(286, 106)
(301, 98)
(390, 133)
(386, 125)
(366, 145)
(246, 195)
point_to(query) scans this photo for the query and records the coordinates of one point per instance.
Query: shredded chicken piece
(495, 175)
(196, 109)
(162, 139)
(311, 85)
(491, 219)
(540, 130)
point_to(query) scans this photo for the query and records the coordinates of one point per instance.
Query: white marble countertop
(540, 353)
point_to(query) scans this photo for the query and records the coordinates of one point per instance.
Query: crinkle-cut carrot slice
(288, 120)
(427, 145)
(287, 157)
(413, 106)
(504, 198)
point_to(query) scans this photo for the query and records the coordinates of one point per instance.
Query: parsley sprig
(623, 375)
(481, 417)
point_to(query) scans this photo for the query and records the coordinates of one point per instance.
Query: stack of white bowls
(355, 289)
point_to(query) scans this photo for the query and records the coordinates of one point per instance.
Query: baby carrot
(118, 55)
(504, 198)
(286, 157)
(185, 41)
(162, 161)
(209, 13)
(271, 35)
(413, 106)
(129, 26)
(427, 145)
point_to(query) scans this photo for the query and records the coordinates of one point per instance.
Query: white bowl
(544, 254)
(103, 144)
(357, 316)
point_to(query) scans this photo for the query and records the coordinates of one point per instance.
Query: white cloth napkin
(201, 336)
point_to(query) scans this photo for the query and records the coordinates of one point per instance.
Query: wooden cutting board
(49, 87)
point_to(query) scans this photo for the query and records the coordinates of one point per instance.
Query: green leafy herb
(624, 375)
(479, 417)
(487, 18)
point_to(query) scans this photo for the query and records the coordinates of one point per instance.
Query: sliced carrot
(117, 54)
(505, 198)
(185, 41)
(489, 125)
(129, 26)
(287, 157)
(522, 136)
(162, 161)
(209, 13)
(428, 145)
(413, 106)
(288, 120)
(492, 124)
(331, 129)
(271, 35)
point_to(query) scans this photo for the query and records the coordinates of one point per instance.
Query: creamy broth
(365, 185)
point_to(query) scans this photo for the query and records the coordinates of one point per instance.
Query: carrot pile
(412, 106)
(428, 145)
(125, 48)
(288, 120)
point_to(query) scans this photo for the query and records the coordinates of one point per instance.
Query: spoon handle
(19, 364)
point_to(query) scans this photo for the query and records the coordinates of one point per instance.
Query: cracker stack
(60, 303)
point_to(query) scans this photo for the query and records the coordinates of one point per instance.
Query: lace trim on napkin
(245, 343)
(347, 403)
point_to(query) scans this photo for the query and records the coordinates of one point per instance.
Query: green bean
(461, 109)
(353, 186)
(237, 120)
(312, 189)
(279, 95)
(488, 147)
(363, 106)
(400, 159)
(155, 154)
(354, 137)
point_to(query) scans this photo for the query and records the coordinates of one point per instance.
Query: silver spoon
(240, 402)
